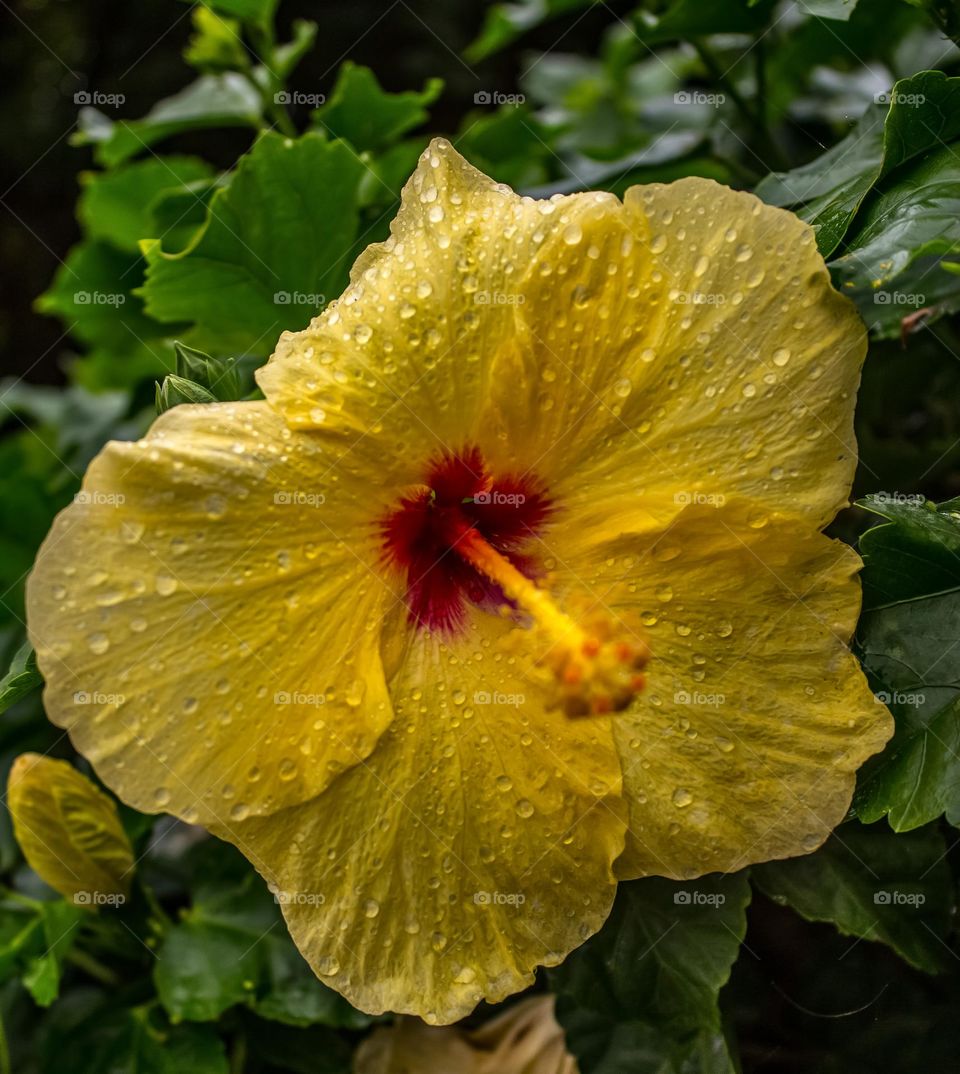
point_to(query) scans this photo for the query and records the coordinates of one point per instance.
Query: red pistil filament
(465, 537)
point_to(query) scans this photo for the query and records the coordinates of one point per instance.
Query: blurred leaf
(686, 19)
(131, 1042)
(646, 985)
(232, 947)
(116, 206)
(286, 57)
(35, 937)
(504, 23)
(254, 12)
(369, 118)
(829, 9)
(216, 44)
(871, 883)
(93, 294)
(23, 677)
(906, 640)
(275, 247)
(68, 829)
(923, 112)
(227, 100)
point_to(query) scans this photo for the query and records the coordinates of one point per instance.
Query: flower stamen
(597, 668)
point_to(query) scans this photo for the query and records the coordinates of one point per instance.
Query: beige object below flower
(526, 1039)
(69, 831)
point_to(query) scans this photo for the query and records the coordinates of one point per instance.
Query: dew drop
(328, 965)
(681, 798)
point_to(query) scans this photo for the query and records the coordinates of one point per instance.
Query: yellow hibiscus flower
(356, 628)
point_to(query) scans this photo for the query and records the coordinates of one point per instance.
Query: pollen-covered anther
(601, 673)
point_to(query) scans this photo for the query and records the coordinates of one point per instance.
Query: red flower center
(421, 535)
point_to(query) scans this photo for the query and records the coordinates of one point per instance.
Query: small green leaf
(647, 983)
(254, 12)
(275, 248)
(216, 44)
(871, 883)
(369, 118)
(35, 937)
(22, 678)
(115, 206)
(227, 100)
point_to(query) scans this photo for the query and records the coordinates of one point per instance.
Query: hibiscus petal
(745, 744)
(179, 607)
(473, 845)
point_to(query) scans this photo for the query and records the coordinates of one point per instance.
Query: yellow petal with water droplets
(526, 1039)
(69, 831)
(178, 606)
(473, 845)
(756, 716)
(404, 363)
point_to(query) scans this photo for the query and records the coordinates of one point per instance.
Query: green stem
(264, 45)
(755, 118)
(93, 967)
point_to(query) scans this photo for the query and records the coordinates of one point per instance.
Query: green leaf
(35, 937)
(647, 984)
(22, 678)
(232, 947)
(93, 294)
(116, 206)
(369, 118)
(227, 100)
(871, 883)
(286, 57)
(254, 12)
(216, 44)
(131, 1041)
(922, 113)
(893, 260)
(276, 246)
(504, 23)
(829, 9)
(906, 638)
